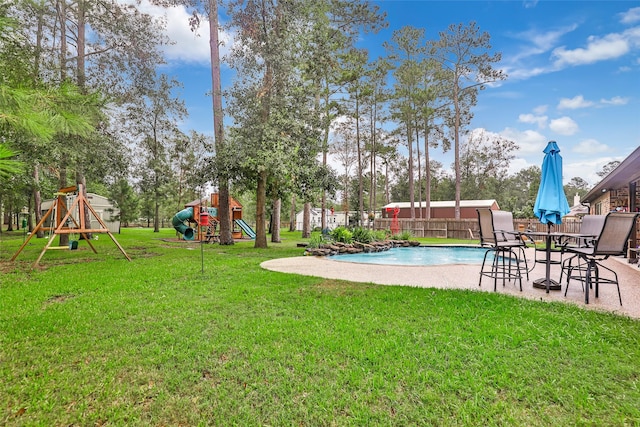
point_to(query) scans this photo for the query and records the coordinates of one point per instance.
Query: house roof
(626, 172)
(446, 204)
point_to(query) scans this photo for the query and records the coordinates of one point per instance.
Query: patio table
(561, 238)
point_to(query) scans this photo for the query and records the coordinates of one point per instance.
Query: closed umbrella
(551, 203)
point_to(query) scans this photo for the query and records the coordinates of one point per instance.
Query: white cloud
(590, 146)
(541, 121)
(188, 46)
(579, 102)
(631, 16)
(540, 42)
(540, 110)
(563, 126)
(587, 169)
(529, 141)
(536, 43)
(518, 164)
(616, 100)
(574, 103)
(611, 46)
(523, 73)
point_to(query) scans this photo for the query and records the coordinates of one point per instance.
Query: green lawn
(90, 339)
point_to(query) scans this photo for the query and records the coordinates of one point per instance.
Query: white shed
(316, 219)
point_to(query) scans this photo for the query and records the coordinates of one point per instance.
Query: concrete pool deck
(465, 276)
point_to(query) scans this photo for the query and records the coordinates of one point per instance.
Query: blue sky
(573, 73)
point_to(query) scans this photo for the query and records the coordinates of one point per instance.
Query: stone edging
(336, 248)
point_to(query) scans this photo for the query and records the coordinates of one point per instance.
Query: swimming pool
(422, 255)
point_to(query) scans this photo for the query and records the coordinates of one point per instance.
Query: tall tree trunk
(306, 221)
(345, 197)
(275, 221)
(325, 149)
(387, 193)
(156, 213)
(419, 170)
(292, 220)
(10, 214)
(372, 161)
(261, 199)
(411, 189)
(80, 59)
(62, 200)
(427, 173)
(62, 16)
(224, 210)
(456, 137)
(360, 178)
(374, 153)
(37, 201)
(38, 48)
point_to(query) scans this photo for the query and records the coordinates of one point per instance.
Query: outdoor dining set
(581, 254)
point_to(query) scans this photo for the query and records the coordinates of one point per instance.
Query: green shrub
(341, 234)
(380, 235)
(315, 241)
(362, 235)
(405, 235)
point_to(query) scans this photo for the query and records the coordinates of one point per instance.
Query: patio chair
(497, 234)
(591, 225)
(611, 241)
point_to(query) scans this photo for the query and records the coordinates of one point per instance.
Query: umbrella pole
(548, 266)
(547, 283)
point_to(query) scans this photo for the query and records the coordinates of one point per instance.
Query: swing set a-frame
(64, 219)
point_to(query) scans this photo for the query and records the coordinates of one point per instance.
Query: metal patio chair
(591, 225)
(497, 234)
(611, 241)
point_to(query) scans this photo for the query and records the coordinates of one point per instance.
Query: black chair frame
(611, 241)
(506, 264)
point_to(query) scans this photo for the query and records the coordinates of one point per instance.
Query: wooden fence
(465, 228)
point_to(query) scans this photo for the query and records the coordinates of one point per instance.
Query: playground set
(71, 220)
(203, 213)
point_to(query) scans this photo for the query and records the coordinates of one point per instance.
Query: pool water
(423, 255)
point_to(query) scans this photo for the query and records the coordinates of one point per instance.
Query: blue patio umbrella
(551, 203)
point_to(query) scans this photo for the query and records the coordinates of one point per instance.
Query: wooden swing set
(62, 223)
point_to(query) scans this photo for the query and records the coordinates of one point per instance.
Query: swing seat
(73, 245)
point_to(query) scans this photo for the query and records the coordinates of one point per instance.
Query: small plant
(341, 234)
(380, 235)
(315, 241)
(362, 235)
(405, 235)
